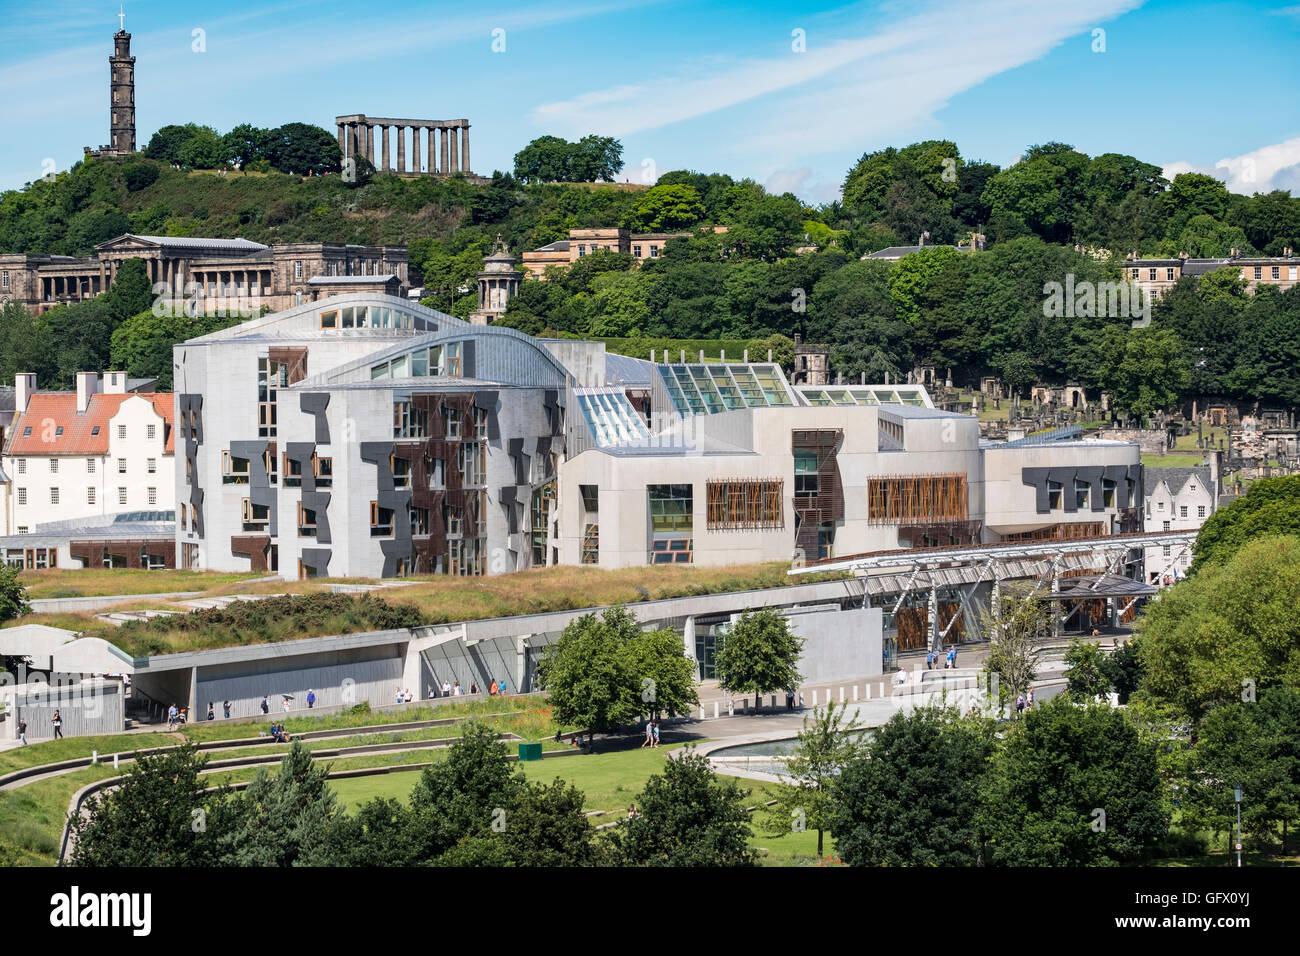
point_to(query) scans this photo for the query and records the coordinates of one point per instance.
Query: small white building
(101, 450)
(1175, 499)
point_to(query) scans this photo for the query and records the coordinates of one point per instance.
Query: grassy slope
(96, 582)
(445, 600)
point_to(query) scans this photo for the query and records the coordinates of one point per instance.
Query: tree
(142, 345)
(1073, 785)
(1018, 624)
(911, 797)
(552, 159)
(548, 826)
(1227, 632)
(595, 158)
(687, 817)
(205, 149)
(281, 816)
(13, 594)
(1253, 746)
(1123, 668)
(663, 208)
(459, 798)
(1269, 507)
(1087, 669)
(302, 149)
(827, 744)
(759, 654)
(1143, 369)
(159, 816)
(766, 229)
(165, 145)
(605, 673)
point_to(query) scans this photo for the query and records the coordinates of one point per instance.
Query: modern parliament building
(365, 435)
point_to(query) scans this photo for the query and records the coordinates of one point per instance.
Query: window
(1200, 511)
(150, 431)
(744, 503)
(450, 422)
(381, 521)
(1291, 272)
(453, 364)
(480, 424)
(297, 268)
(1277, 272)
(582, 250)
(806, 483)
(153, 496)
(1169, 274)
(306, 522)
(22, 529)
(329, 320)
(271, 376)
(268, 459)
(419, 521)
(292, 472)
(1151, 274)
(1259, 272)
(22, 464)
(1135, 273)
(121, 496)
(1107, 493)
(121, 431)
(408, 421)
(671, 523)
(121, 466)
(90, 496)
(256, 517)
(471, 460)
(636, 251)
(1164, 526)
(94, 430)
(323, 469)
(4, 279)
(401, 468)
(234, 470)
(54, 466)
(27, 432)
(1165, 550)
(1053, 495)
(22, 496)
(1160, 506)
(58, 431)
(1182, 511)
(54, 496)
(654, 252)
(1082, 494)
(151, 465)
(90, 466)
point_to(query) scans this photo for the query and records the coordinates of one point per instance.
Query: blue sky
(708, 86)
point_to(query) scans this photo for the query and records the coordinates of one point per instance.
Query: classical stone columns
(357, 138)
(399, 146)
(464, 147)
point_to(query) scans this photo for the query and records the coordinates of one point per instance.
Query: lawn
(98, 582)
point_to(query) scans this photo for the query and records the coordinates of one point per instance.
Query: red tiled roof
(48, 411)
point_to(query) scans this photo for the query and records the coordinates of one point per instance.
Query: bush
(137, 176)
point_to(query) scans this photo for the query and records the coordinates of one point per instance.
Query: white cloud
(805, 184)
(1259, 171)
(891, 77)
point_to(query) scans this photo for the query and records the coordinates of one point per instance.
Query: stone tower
(498, 283)
(121, 66)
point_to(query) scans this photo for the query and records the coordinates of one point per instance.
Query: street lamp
(1236, 793)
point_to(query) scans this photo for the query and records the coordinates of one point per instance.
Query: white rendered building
(1175, 499)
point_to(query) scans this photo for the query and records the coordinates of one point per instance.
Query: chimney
(24, 388)
(87, 385)
(115, 383)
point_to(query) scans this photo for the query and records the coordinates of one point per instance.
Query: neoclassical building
(219, 274)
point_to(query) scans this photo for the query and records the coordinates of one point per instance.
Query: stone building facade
(217, 274)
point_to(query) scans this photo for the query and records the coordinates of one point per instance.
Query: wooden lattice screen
(744, 503)
(916, 498)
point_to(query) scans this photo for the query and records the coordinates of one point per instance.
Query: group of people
(932, 658)
(404, 696)
(1025, 702)
(651, 734)
(180, 716)
(280, 734)
(498, 688)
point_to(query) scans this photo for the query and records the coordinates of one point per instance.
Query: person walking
(1020, 704)
(502, 687)
(493, 688)
(311, 698)
(266, 703)
(446, 688)
(789, 698)
(211, 715)
(171, 717)
(1029, 703)
(22, 731)
(649, 734)
(656, 738)
(58, 724)
(225, 709)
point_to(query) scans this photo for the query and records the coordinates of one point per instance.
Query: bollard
(715, 708)
(115, 756)
(866, 691)
(94, 756)
(731, 708)
(814, 698)
(855, 693)
(841, 695)
(701, 711)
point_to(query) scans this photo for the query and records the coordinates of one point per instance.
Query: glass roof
(611, 417)
(866, 395)
(709, 389)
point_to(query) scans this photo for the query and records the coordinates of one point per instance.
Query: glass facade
(709, 389)
(671, 523)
